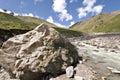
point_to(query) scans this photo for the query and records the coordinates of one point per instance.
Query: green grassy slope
(68, 32)
(34, 20)
(9, 22)
(111, 26)
(107, 22)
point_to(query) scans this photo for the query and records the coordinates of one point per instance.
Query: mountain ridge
(99, 23)
(9, 22)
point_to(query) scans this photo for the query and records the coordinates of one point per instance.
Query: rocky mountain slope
(104, 22)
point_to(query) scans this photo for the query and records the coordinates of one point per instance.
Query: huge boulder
(36, 53)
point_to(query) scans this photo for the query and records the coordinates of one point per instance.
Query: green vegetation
(34, 20)
(8, 22)
(107, 22)
(68, 31)
(111, 26)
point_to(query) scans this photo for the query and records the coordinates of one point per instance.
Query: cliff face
(6, 34)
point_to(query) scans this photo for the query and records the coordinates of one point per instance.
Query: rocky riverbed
(100, 52)
(108, 41)
(99, 56)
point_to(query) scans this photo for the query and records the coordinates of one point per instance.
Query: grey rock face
(69, 71)
(39, 52)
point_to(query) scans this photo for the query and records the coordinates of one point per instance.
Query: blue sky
(61, 12)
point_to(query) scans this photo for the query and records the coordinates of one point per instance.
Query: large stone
(37, 53)
(69, 71)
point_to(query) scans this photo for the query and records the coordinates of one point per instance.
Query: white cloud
(71, 23)
(1, 10)
(6, 11)
(89, 3)
(50, 19)
(29, 14)
(82, 12)
(98, 9)
(59, 6)
(16, 14)
(65, 15)
(37, 1)
(71, 1)
(89, 8)
(60, 25)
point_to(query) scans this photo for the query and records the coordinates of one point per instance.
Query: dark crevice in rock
(6, 34)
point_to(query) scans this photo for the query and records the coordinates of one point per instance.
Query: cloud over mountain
(90, 7)
(59, 6)
(50, 19)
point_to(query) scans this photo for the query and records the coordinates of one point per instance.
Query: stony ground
(99, 52)
(82, 71)
(108, 41)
